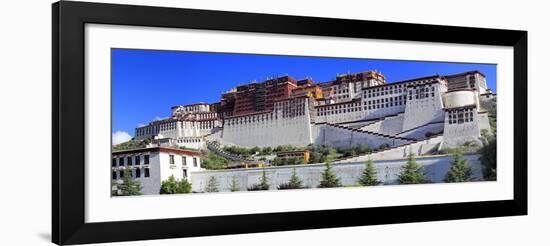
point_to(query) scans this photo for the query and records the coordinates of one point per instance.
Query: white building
(186, 126)
(151, 166)
(356, 109)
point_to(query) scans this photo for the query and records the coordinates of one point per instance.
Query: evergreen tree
(460, 170)
(369, 175)
(212, 185)
(172, 186)
(328, 178)
(293, 183)
(129, 186)
(264, 185)
(489, 159)
(234, 185)
(411, 173)
(114, 188)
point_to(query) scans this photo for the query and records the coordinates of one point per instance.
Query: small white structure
(151, 166)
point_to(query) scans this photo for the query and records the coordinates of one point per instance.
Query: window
(121, 173)
(460, 117)
(121, 161)
(184, 161)
(114, 174)
(138, 172)
(146, 174)
(194, 161)
(114, 162)
(138, 160)
(185, 173)
(146, 159)
(129, 160)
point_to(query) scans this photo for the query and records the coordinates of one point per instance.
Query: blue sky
(146, 83)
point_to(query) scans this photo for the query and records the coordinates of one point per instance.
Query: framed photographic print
(175, 122)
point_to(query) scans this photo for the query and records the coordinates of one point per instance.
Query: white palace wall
(458, 134)
(435, 169)
(424, 109)
(271, 129)
(391, 125)
(294, 131)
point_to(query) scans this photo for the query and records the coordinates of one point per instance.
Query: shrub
(429, 134)
(211, 160)
(172, 186)
(131, 144)
(254, 150)
(267, 151)
(383, 146)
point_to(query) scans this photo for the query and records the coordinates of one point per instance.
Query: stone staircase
(369, 132)
(216, 148)
(417, 147)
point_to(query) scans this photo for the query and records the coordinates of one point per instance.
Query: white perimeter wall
(435, 169)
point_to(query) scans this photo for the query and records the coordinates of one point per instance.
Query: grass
(213, 161)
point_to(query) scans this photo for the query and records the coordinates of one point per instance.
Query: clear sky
(146, 83)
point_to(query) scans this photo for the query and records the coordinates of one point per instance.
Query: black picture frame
(69, 19)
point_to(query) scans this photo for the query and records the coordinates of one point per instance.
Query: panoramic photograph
(203, 122)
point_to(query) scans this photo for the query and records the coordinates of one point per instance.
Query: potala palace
(354, 109)
(419, 116)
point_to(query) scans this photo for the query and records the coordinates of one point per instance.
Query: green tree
(212, 185)
(277, 161)
(128, 186)
(369, 175)
(173, 186)
(460, 170)
(263, 185)
(267, 151)
(489, 159)
(293, 183)
(329, 178)
(114, 188)
(412, 172)
(234, 185)
(254, 150)
(131, 144)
